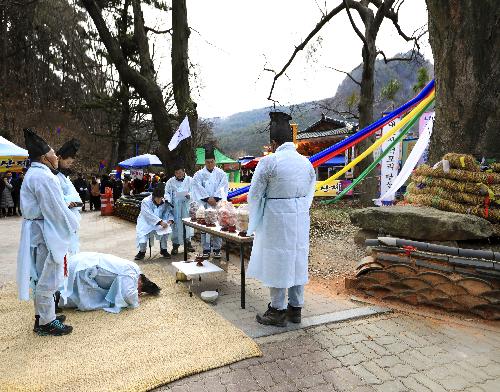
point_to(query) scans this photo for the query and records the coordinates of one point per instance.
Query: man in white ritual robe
(210, 186)
(103, 281)
(66, 156)
(45, 236)
(155, 221)
(179, 189)
(281, 193)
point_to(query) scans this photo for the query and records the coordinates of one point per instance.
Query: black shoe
(294, 314)
(190, 247)
(217, 254)
(165, 253)
(206, 254)
(61, 318)
(54, 328)
(175, 249)
(140, 256)
(272, 316)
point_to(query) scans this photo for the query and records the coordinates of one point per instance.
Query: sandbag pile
(128, 208)
(457, 184)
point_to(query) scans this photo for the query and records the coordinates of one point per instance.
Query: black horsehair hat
(35, 145)
(69, 149)
(179, 164)
(279, 128)
(209, 151)
(159, 191)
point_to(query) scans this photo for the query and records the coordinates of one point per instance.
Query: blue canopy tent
(141, 161)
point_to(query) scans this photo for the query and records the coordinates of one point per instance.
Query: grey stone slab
(258, 330)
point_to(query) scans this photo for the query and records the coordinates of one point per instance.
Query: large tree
(142, 80)
(465, 41)
(180, 76)
(372, 14)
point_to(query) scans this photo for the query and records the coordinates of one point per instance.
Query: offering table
(229, 237)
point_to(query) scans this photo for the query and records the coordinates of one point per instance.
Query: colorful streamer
(379, 142)
(350, 141)
(374, 164)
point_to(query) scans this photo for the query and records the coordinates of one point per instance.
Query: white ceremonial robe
(101, 281)
(280, 197)
(210, 184)
(148, 219)
(71, 196)
(181, 206)
(45, 239)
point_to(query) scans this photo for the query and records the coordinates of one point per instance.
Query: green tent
(228, 164)
(220, 158)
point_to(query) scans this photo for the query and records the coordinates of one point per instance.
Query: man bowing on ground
(45, 236)
(281, 193)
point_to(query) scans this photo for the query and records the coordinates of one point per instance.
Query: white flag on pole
(182, 133)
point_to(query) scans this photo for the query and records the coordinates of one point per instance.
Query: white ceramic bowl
(209, 296)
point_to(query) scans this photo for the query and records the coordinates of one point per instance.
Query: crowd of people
(51, 264)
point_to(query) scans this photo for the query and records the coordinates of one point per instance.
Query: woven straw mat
(166, 338)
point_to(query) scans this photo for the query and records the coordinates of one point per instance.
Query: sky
(233, 41)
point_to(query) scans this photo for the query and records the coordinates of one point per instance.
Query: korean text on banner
(421, 126)
(389, 166)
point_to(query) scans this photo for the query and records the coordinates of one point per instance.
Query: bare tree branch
(319, 25)
(155, 31)
(382, 11)
(353, 24)
(347, 73)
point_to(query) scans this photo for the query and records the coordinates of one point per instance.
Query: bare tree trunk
(465, 39)
(368, 187)
(180, 79)
(124, 126)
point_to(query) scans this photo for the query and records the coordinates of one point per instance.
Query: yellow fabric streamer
(462, 161)
(379, 142)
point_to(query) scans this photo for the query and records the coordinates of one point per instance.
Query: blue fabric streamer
(425, 91)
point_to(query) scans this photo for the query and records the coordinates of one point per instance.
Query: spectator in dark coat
(105, 183)
(117, 189)
(6, 200)
(16, 192)
(82, 187)
(138, 186)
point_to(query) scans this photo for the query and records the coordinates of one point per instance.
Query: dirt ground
(333, 253)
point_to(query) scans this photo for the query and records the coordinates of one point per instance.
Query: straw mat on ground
(166, 338)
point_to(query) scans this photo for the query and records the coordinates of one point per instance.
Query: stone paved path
(393, 352)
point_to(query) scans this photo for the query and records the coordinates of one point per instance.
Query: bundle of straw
(440, 203)
(459, 175)
(462, 161)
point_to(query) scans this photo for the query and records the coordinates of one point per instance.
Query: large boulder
(422, 223)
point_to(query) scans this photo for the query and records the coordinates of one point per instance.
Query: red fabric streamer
(65, 266)
(409, 249)
(486, 206)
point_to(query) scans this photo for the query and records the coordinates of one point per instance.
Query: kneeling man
(155, 220)
(103, 281)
